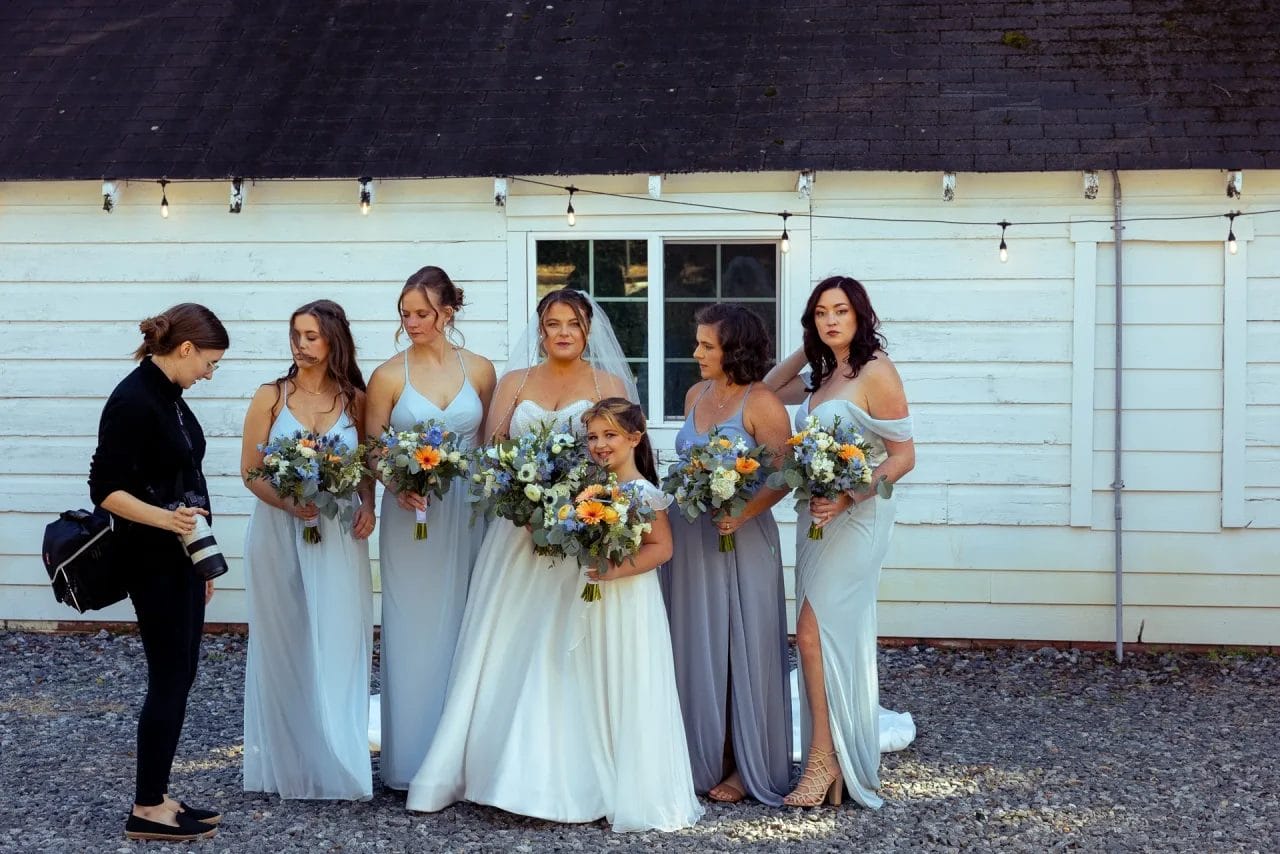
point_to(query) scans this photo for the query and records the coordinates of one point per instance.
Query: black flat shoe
(188, 829)
(202, 816)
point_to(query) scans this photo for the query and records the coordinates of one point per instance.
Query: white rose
(824, 443)
(455, 457)
(533, 492)
(307, 452)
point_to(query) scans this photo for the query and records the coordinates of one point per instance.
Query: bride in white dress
(519, 730)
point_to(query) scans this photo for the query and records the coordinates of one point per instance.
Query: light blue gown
(306, 703)
(839, 576)
(424, 589)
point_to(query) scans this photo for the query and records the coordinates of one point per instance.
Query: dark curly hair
(866, 338)
(743, 338)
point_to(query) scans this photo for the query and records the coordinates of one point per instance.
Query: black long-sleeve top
(151, 446)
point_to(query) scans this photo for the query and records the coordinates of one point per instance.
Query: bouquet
(423, 459)
(310, 468)
(603, 524)
(721, 475)
(824, 463)
(521, 479)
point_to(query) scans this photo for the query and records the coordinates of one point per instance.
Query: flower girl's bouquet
(423, 459)
(521, 479)
(310, 468)
(602, 524)
(721, 475)
(825, 463)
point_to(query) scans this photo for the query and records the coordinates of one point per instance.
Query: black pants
(169, 602)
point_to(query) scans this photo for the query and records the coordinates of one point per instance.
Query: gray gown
(838, 576)
(424, 589)
(729, 636)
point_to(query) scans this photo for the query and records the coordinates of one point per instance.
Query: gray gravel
(1019, 750)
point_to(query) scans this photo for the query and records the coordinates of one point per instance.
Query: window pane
(689, 270)
(681, 331)
(562, 263)
(680, 376)
(768, 312)
(621, 268)
(641, 371)
(748, 270)
(630, 323)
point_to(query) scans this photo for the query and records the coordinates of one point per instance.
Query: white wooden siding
(1009, 367)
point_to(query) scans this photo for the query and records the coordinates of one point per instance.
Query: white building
(1006, 525)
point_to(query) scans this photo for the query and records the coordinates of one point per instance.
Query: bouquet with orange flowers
(603, 524)
(720, 476)
(424, 459)
(310, 468)
(824, 463)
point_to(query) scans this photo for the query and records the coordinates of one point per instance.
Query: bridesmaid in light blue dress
(837, 576)
(306, 707)
(424, 582)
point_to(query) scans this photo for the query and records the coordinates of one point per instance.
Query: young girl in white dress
(625, 658)
(306, 703)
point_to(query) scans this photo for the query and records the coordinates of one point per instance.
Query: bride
(519, 722)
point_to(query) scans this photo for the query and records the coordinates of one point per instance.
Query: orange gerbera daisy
(798, 438)
(334, 458)
(746, 465)
(593, 490)
(428, 457)
(590, 512)
(725, 443)
(304, 442)
(851, 452)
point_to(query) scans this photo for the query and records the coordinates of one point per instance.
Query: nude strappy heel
(820, 783)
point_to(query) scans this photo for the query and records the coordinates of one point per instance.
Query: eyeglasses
(210, 365)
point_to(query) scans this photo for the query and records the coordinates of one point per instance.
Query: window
(691, 274)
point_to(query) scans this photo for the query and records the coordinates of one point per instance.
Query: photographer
(146, 473)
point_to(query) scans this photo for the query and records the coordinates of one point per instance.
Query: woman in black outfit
(146, 473)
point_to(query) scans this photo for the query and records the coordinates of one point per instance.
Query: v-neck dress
(306, 703)
(424, 589)
(729, 636)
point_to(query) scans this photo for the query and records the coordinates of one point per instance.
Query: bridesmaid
(836, 577)
(306, 708)
(728, 610)
(424, 582)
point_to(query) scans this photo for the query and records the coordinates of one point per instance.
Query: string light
(569, 214)
(1004, 247)
(164, 199)
(1232, 246)
(366, 195)
(785, 245)
(236, 203)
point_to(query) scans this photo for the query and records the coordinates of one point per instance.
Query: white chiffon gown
(557, 708)
(839, 576)
(306, 694)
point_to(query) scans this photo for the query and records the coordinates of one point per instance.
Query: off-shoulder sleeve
(893, 429)
(114, 466)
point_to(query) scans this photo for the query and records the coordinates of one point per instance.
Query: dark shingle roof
(302, 88)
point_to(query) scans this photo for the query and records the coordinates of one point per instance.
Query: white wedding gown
(557, 708)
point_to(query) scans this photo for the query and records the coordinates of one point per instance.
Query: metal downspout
(1117, 484)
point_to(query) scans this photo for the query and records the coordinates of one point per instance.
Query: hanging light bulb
(366, 195)
(164, 199)
(569, 214)
(1232, 246)
(1004, 247)
(785, 245)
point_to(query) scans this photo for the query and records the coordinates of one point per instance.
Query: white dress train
(554, 710)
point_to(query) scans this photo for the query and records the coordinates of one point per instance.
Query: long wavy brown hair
(341, 366)
(629, 418)
(866, 338)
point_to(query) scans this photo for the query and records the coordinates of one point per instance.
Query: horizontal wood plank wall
(984, 548)
(74, 282)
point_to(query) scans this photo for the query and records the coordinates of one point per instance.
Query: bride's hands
(823, 510)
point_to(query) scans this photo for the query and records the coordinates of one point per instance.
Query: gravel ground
(1019, 750)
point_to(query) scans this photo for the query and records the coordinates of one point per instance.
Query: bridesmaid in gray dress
(837, 577)
(728, 610)
(424, 582)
